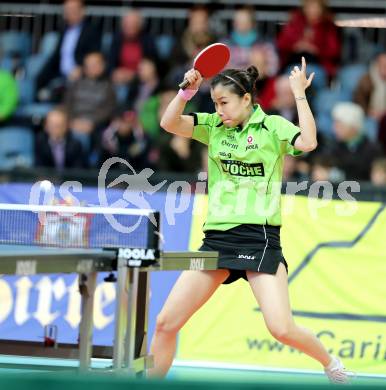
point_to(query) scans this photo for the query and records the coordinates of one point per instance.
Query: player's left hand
(298, 79)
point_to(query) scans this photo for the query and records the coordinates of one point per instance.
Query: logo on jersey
(239, 168)
(228, 144)
(225, 154)
(231, 135)
(250, 145)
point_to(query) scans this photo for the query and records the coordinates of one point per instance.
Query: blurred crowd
(85, 97)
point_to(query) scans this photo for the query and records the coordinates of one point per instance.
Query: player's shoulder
(208, 119)
(269, 122)
(272, 122)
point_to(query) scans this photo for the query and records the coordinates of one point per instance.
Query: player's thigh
(191, 290)
(271, 293)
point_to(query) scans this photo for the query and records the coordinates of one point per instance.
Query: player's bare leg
(190, 292)
(271, 292)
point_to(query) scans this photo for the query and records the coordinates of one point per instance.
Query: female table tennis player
(246, 149)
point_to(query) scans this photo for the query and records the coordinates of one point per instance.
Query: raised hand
(194, 77)
(298, 79)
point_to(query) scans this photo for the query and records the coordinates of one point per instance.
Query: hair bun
(253, 72)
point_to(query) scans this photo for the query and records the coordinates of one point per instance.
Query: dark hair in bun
(254, 73)
(240, 81)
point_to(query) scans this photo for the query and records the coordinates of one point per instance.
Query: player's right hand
(194, 77)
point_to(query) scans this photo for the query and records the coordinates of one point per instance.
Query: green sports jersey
(245, 168)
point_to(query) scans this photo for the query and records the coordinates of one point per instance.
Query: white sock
(334, 362)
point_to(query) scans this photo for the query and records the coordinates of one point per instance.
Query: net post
(141, 330)
(87, 290)
(120, 313)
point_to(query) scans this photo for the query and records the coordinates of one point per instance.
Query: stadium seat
(15, 43)
(16, 147)
(326, 99)
(6, 63)
(164, 44)
(121, 91)
(36, 112)
(324, 102)
(349, 76)
(324, 124)
(48, 43)
(371, 128)
(34, 64)
(320, 79)
(107, 40)
(26, 91)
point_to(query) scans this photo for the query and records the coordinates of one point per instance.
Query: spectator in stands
(265, 85)
(353, 153)
(176, 74)
(129, 46)
(382, 133)
(323, 168)
(149, 114)
(197, 35)
(178, 154)
(90, 101)
(149, 120)
(125, 138)
(198, 29)
(370, 93)
(8, 96)
(378, 172)
(310, 32)
(283, 103)
(56, 147)
(290, 171)
(78, 38)
(144, 85)
(244, 38)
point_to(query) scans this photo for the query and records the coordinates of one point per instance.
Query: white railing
(41, 18)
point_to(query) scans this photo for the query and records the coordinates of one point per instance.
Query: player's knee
(281, 333)
(164, 324)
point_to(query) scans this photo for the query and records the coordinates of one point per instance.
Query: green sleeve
(203, 123)
(148, 115)
(286, 133)
(8, 95)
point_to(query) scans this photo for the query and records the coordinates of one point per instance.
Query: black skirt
(246, 247)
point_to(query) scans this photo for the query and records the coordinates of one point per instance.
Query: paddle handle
(184, 84)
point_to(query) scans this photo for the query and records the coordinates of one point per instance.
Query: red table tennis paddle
(210, 61)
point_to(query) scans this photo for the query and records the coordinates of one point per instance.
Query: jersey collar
(256, 118)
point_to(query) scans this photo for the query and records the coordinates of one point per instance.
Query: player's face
(232, 109)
